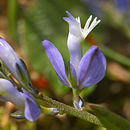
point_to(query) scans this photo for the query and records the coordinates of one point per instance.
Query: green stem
(63, 108)
(75, 94)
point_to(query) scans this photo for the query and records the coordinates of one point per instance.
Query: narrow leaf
(110, 120)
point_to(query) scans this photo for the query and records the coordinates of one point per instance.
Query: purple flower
(22, 100)
(76, 35)
(88, 69)
(91, 68)
(14, 64)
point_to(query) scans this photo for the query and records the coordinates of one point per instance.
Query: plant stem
(63, 108)
(75, 94)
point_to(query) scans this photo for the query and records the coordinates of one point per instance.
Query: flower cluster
(87, 69)
(8, 92)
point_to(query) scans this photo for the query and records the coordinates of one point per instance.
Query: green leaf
(87, 91)
(109, 120)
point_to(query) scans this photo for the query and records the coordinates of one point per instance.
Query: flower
(23, 100)
(88, 69)
(14, 64)
(91, 68)
(76, 34)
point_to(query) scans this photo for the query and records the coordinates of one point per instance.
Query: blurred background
(25, 23)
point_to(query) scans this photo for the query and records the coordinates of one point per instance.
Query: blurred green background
(25, 23)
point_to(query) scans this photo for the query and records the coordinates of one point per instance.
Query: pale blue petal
(74, 39)
(73, 71)
(32, 110)
(92, 67)
(11, 59)
(23, 101)
(70, 19)
(74, 25)
(9, 93)
(56, 61)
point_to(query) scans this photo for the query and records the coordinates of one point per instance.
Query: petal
(73, 71)
(56, 61)
(87, 23)
(9, 93)
(74, 25)
(11, 59)
(75, 50)
(74, 39)
(32, 110)
(89, 27)
(92, 67)
(70, 18)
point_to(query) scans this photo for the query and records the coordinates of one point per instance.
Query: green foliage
(87, 91)
(12, 18)
(110, 120)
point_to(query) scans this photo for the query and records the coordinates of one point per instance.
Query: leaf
(110, 120)
(87, 91)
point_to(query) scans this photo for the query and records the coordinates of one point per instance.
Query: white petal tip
(89, 27)
(99, 21)
(90, 16)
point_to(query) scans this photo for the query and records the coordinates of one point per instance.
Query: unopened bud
(78, 104)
